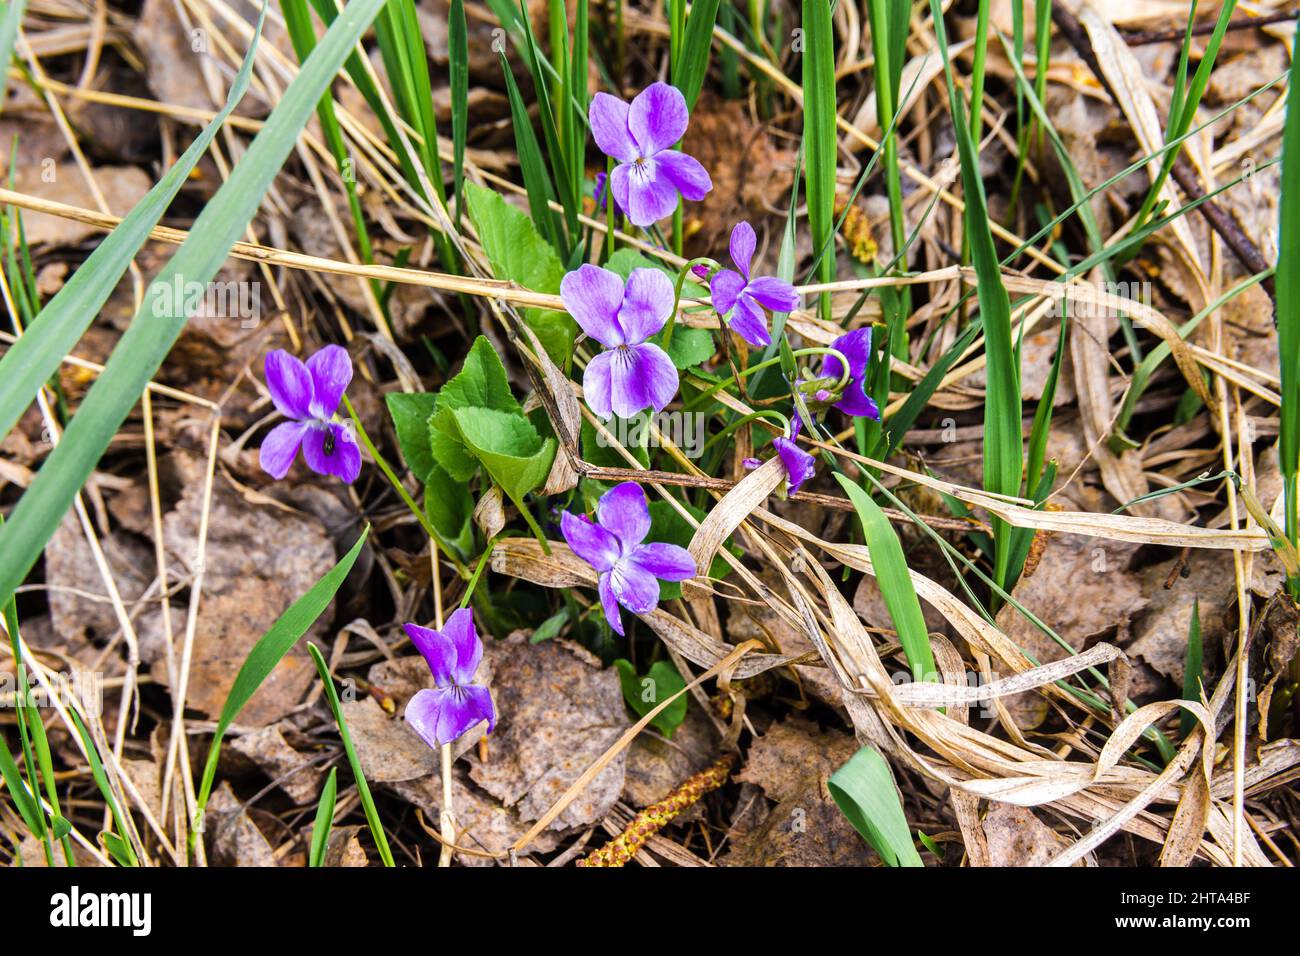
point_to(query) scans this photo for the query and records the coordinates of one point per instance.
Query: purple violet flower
(599, 194)
(856, 347)
(627, 569)
(731, 290)
(799, 465)
(650, 173)
(455, 704)
(309, 394)
(632, 374)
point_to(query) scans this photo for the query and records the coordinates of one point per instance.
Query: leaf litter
(799, 676)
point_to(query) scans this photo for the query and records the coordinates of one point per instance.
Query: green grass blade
(297, 20)
(864, 791)
(23, 798)
(324, 822)
(36, 356)
(35, 744)
(1187, 103)
(977, 69)
(545, 77)
(356, 70)
(270, 649)
(692, 64)
(458, 66)
(1003, 449)
(578, 65)
(11, 14)
(106, 791)
(147, 341)
(889, 25)
(1192, 669)
(537, 181)
(894, 580)
(401, 45)
(363, 788)
(819, 139)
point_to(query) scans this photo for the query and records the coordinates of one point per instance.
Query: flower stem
(448, 818)
(478, 572)
(387, 469)
(677, 293)
(798, 353)
(533, 525)
(770, 413)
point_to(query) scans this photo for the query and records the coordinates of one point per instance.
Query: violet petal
(343, 457)
(608, 118)
(685, 173)
(459, 630)
(280, 447)
(609, 603)
(725, 289)
(444, 714)
(647, 304)
(773, 293)
(651, 195)
(743, 243)
(857, 403)
(657, 118)
(331, 371)
(595, 545)
(289, 382)
(437, 650)
(799, 465)
(620, 182)
(641, 377)
(666, 561)
(634, 587)
(854, 346)
(624, 512)
(597, 385)
(593, 295)
(749, 322)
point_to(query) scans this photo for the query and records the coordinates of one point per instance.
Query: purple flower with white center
(309, 394)
(632, 374)
(627, 569)
(455, 704)
(799, 465)
(856, 347)
(650, 173)
(745, 296)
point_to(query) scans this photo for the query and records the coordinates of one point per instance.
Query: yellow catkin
(856, 231)
(621, 849)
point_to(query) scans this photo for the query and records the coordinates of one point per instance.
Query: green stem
(745, 420)
(478, 572)
(405, 495)
(713, 389)
(677, 292)
(532, 525)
